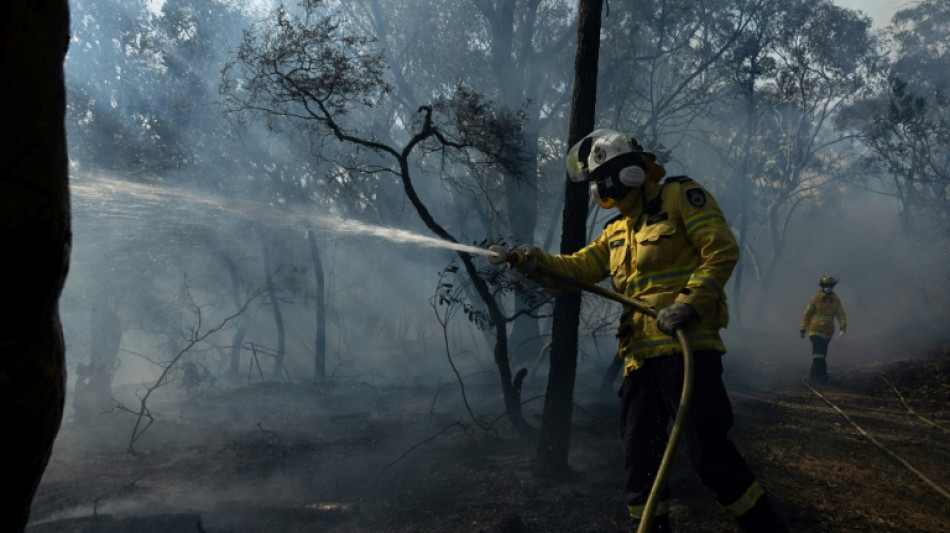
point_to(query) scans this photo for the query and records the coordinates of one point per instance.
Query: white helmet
(611, 161)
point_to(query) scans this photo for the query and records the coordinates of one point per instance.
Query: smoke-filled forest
(281, 313)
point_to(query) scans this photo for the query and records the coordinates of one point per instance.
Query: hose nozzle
(499, 254)
(509, 258)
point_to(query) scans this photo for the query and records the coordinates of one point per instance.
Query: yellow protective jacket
(819, 318)
(675, 247)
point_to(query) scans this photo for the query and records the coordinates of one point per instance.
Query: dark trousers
(650, 396)
(819, 351)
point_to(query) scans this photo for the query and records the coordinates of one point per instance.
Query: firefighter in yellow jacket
(671, 248)
(819, 323)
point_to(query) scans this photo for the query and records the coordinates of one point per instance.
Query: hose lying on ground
(874, 441)
(911, 409)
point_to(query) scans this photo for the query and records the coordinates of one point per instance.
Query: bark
(35, 231)
(555, 440)
(240, 330)
(275, 307)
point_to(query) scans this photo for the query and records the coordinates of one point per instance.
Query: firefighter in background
(670, 247)
(819, 323)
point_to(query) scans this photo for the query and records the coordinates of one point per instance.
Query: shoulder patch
(696, 197)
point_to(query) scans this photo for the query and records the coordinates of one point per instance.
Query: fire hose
(686, 395)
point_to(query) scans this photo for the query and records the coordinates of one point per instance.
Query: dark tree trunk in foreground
(35, 232)
(555, 439)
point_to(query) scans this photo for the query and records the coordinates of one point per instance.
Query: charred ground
(352, 457)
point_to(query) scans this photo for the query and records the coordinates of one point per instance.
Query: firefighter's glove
(670, 319)
(524, 258)
(801, 333)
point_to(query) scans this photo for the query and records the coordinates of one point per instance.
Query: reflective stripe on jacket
(683, 251)
(819, 318)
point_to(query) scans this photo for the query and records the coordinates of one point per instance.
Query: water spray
(100, 195)
(514, 258)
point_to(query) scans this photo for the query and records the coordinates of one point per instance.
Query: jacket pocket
(655, 246)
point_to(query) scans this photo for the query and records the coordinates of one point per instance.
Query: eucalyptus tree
(905, 124)
(823, 57)
(301, 68)
(664, 66)
(144, 105)
(794, 67)
(518, 53)
(106, 69)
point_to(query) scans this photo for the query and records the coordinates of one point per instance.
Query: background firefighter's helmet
(612, 161)
(827, 281)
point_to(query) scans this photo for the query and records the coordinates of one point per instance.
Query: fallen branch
(144, 418)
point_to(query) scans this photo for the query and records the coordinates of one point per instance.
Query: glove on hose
(528, 257)
(523, 258)
(668, 320)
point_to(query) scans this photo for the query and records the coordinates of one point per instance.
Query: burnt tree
(35, 230)
(555, 438)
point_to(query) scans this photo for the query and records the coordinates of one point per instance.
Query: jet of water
(104, 196)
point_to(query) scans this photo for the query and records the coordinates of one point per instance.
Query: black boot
(819, 370)
(761, 519)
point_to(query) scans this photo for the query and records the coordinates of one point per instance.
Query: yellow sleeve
(710, 236)
(809, 311)
(589, 264)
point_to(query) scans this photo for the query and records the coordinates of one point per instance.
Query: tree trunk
(320, 347)
(36, 235)
(510, 385)
(745, 191)
(241, 327)
(92, 394)
(555, 440)
(275, 307)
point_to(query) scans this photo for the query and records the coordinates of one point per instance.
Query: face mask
(608, 191)
(827, 290)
